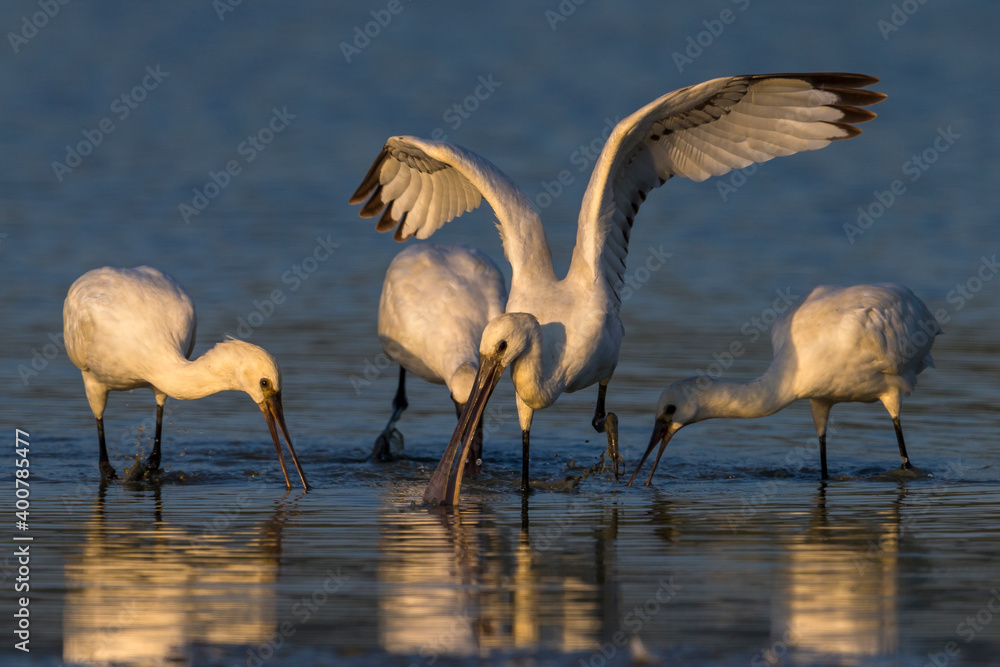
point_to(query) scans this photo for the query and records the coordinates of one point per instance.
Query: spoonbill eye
(502, 346)
(670, 409)
(265, 383)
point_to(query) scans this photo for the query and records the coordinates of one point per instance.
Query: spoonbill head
(863, 344)
(134, 328)
(436, 301)
(514, 340)
(414, 186)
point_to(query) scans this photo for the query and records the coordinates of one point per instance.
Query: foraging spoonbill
(436, 301)
(864, 343)
(563, 335)
(132, 328)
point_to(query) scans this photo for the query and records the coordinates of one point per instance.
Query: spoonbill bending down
(565, 335)
(436, 301)
(132, 328)
(864, 343)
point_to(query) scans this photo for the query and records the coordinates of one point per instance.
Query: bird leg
(474, 459)
(906, 465)
(822, 455)
(153, 462)
(525, 447)
(382, 452)
(821, 417)
(608, 423)
(107, 471)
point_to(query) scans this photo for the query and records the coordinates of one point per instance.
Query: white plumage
(863, 344)
(133, 328)
(436, 301)
(417, 185)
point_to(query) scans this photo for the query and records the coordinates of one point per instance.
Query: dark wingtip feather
(855, 97)
(386, 222)
(371, 180)
(827, 79)
(830, 81)
(374, 205)
(854, 114)
(851, 131)
(398, 236)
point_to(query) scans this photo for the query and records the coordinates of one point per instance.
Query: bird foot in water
(909, 471)
(472, 467)
(610, 426)
(107, 471)
(614, 461)
(141, 469)
(388, 447)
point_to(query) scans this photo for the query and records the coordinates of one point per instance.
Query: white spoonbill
(436, 301)
(864, 343)
(132, 328)
(565, 335)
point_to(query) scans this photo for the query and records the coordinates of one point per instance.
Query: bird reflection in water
(837, 594)
(143, 590)
(466, 583)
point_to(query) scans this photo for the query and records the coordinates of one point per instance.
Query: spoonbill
(570, 327)
(436, 301)
(132, 328)
(864, 343)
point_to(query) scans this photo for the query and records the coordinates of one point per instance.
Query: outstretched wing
(418, 185)
(708, 130)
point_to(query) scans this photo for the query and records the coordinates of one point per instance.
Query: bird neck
(733, 400)
(209, 374)
(525, 244)
(527, 249)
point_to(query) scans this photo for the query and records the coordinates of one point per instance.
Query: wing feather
(416, 186)
(708, 130)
